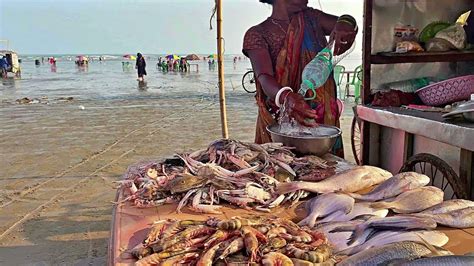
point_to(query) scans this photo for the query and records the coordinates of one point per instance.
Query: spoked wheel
(355, 140)
(248, 82)
(441, 174)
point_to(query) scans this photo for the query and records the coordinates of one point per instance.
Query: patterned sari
(300, 47)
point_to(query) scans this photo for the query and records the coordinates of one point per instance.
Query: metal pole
(220, 67)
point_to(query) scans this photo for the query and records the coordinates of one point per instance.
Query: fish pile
(357, 223)
(242, 241)
(244, 174)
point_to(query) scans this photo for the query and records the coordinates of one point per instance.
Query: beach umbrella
(130, 57)
(172, 57)
(192, 57)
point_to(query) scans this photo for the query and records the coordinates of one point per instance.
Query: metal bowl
(315, 145)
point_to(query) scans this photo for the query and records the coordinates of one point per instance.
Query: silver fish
(415, 200)
(385, 254)
(326, 204)
(339, 240)
(394, 186)
(388, 223)
(329, 226)
(360, 209)
(453, 260)
(463, 218)
(353, 180)
(434, 238)
(449, 205)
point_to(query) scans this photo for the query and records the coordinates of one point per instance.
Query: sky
(128, 26)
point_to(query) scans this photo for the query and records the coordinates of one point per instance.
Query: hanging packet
(455, 34)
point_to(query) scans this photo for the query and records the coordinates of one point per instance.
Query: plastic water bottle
(317, 72)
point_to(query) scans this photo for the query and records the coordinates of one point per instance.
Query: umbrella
(82, 58)
(192, 57)
(212, 56)
(131, 57)
(172, 57)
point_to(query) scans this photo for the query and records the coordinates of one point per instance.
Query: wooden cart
(395, 138)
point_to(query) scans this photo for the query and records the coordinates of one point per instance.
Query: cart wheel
(355, 140)
(248, 82)
(441, 174)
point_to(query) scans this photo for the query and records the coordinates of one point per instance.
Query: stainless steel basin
(315, 145)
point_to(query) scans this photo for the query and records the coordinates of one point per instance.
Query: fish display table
(130, 224)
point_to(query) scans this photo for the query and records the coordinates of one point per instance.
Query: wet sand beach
(59, 160)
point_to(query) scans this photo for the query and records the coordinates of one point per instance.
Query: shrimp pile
(243, 174)
(242, 241)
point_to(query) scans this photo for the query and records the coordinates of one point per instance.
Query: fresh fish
(384, 254)
(389, 223)
(449, 205)
(353, 180)
(360, 209)
(434, 238)
(453, 260)
(340, 240)
(415, 200)
(394, 186)
(463, 218)
(326, 204)
(329, 226)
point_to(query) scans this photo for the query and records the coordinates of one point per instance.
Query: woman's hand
(297, 108)
(344, 35)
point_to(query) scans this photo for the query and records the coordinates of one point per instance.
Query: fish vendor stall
(293, 203)
(238, 203)
(418, 91)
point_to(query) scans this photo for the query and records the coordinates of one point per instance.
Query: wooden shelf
(422, 57)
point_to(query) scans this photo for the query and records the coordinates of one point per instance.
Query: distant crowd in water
(170, 64)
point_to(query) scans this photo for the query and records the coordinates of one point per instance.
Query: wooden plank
(365, 142)
(422, 57)
(415, 122)
(408, 147)
(131, 225)
(466, 171)
(374, 146)
(367, 51)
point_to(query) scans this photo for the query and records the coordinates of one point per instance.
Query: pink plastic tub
(447, 91)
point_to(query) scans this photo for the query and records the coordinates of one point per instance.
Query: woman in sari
(279, 49)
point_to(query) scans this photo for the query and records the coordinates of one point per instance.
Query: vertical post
(220, 68)
(367, 51)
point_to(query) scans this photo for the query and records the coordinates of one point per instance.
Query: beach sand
(59, 163)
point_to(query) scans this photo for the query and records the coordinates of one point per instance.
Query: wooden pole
(220, 68)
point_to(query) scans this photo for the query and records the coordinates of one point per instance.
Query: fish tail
(433, 250)
(343, 228)
(358, 231)
(283, 188)
(381, 205)
(310, 220)
(352, 195)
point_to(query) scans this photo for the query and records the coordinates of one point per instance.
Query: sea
(109, 80)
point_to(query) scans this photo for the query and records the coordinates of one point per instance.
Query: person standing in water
(279, 48)
(141, 67)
